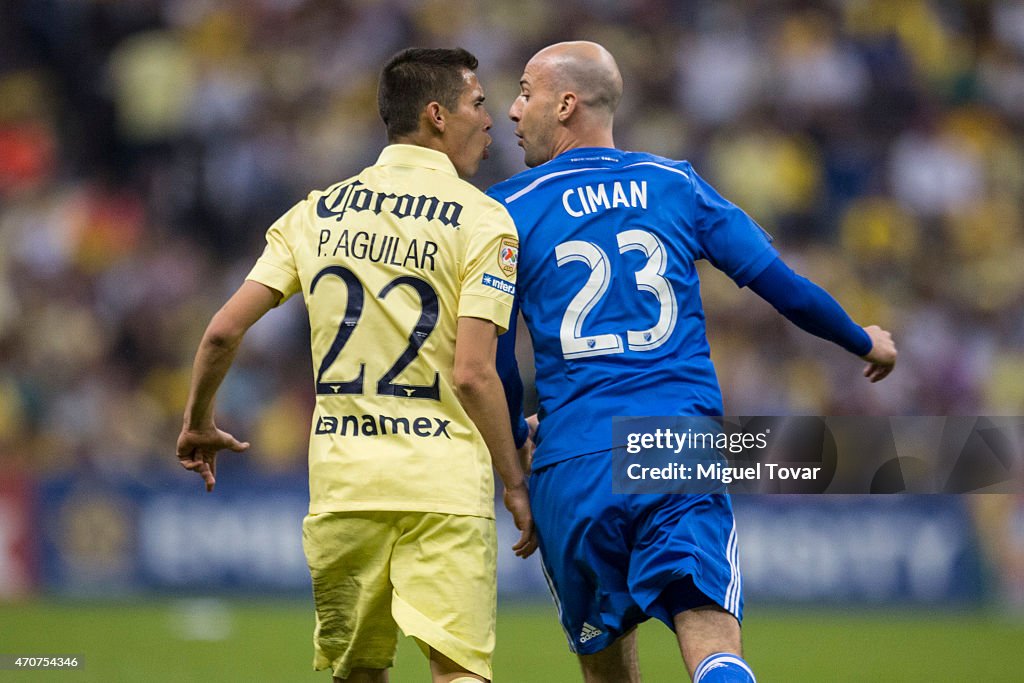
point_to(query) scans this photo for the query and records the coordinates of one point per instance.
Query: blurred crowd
(145, 147)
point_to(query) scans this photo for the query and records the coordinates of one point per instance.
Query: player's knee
(723, 667)
(443, 669)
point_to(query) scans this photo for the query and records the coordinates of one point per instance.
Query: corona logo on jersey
(357, 197)
(508, 256)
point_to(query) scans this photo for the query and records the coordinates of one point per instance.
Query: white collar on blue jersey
(577, 154)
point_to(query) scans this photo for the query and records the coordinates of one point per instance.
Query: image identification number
(14, 662)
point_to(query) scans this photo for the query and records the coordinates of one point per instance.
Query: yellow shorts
(433, 575)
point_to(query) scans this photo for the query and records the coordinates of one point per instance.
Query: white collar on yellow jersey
(414, 155)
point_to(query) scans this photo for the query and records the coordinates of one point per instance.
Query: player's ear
(566, 105)
(434, 114)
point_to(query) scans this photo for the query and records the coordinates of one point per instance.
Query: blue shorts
(614, 560)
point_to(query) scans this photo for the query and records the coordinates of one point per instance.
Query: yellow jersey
(387, 261)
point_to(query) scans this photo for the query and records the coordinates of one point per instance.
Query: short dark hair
(416, 76)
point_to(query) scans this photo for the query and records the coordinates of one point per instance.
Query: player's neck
(420, 138)
(596, 136)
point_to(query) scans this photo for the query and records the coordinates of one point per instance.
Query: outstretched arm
(480, 393)
(200, 440)
(814, 310)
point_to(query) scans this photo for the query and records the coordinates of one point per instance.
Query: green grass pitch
(213, 640)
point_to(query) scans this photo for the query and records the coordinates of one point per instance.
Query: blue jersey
(608, 286)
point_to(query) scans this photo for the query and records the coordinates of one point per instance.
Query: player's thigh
(348, 556)
(686, 556)
(584, 532)
(443, 570)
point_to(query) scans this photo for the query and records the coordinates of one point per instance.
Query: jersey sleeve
(489, 269)
(809, 307)
(276, 268)
(511, 382)
(730, 239)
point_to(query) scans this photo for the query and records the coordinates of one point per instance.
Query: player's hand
(517, 500)
(533, 422)
(197, 451)
(882, 356)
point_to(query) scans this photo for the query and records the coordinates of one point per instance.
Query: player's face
(466, 128)
(535, 115)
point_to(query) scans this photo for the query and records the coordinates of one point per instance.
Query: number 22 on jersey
(386, 386)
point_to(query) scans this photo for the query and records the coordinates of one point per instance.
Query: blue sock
(723, 667)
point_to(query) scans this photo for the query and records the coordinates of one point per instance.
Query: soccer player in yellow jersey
(408, 273)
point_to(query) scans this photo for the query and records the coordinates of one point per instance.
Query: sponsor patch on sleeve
(508, 255)
(499, 284)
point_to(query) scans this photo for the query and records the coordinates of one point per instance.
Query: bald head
(568, 95)
(586, 68)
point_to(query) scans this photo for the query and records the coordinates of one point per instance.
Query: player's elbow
(796, 305)
(223, 332)
(473, 379)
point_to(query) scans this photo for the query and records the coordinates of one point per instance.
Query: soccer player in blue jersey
(609, 291)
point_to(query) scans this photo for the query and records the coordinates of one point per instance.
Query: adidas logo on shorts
(589, 632)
